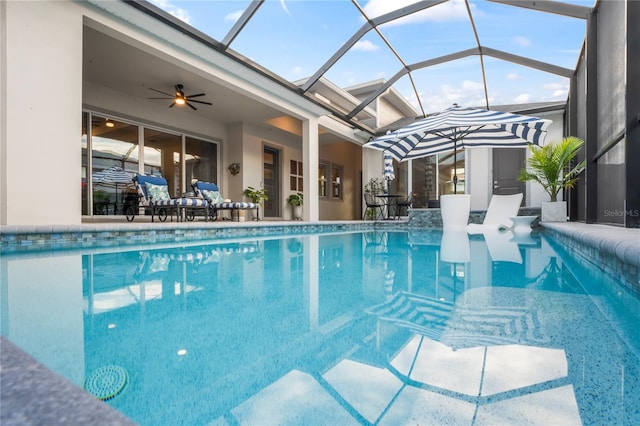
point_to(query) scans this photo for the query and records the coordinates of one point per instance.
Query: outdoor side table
(522, 224)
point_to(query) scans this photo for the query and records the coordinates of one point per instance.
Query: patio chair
(501, 207)
(375, 206)
(405, 204)
(211, 193)
(153, 195)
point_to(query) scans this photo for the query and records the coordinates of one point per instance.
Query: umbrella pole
(455, 161)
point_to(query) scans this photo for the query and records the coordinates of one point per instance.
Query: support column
(310, 159)
(591, 140)
(40, 112)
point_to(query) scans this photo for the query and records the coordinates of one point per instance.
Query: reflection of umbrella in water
(461, 325)
(459, 127)
(114, 175)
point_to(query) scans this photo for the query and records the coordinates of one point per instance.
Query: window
(201, 161)
(451, 169)
(336, 181)
(424, 180)
(108, 142)
(162, 156)
(296, 181)
(322, 179)
(330, 180)
(113, 143)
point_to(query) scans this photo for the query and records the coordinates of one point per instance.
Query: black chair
(374, 205)
(407, 203)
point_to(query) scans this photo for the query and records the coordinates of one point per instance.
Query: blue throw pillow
(158, 192)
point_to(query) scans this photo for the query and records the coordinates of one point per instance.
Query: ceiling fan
(180, 98)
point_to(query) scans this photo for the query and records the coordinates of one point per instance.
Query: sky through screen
(296, 38)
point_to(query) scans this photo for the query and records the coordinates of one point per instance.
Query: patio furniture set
(153, 197)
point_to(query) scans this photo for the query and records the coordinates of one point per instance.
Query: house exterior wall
(535, 194)
(387, 113)
(347, 155)
(255, 138)
(42, 85)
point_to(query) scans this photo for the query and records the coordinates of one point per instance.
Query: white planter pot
(455, 209)
(554, 211)
(297, 212)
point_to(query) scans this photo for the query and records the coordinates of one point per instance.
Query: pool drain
(107, 382)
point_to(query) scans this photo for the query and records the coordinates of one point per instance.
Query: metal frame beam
(528, 62)
(531, 63)
(240, 23)
(383, 19)
(555, 7)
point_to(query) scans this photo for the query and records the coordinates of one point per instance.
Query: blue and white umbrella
(387, 172)
(461, 127)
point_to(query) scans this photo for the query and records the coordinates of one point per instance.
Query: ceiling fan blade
(171, 106)
(191, 106)
(196, 95)
(201, 102)
(160, 98)
(160, 91)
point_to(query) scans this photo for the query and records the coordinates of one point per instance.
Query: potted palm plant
(551, 166)
(296, 201)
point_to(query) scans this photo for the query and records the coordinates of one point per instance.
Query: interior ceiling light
(109, 123)
(180, 98)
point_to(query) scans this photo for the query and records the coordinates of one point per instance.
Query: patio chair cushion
(158, 192)
(141, 181)
(212, 196)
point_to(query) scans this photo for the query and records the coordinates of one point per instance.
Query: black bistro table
(389, 200)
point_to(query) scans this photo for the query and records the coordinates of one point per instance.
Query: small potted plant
(256, 195)
(551, 166)
(296, 201)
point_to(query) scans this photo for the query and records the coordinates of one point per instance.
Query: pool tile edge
(609, 248)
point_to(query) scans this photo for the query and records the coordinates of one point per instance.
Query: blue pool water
(348, 328)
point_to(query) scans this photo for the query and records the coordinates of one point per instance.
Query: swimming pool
(372, 327)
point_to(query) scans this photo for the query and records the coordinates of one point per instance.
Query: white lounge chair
(500, 209)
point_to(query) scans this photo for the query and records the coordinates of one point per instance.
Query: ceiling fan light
(179, 100)
(109, 123)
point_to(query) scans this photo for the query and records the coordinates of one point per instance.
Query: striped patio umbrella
(461, 127)
(387, 172)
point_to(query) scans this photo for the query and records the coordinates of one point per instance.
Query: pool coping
(38, 395)
(614, 250)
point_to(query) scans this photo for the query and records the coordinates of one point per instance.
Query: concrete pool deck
(32, 394)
